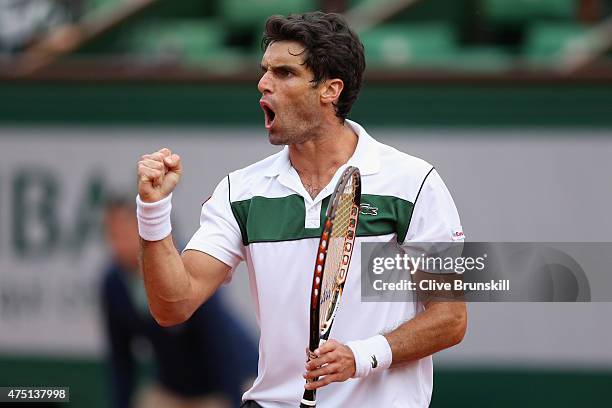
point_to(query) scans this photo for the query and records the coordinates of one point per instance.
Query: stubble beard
(288, 136)
(302, 130)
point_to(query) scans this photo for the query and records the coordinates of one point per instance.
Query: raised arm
(176, 286)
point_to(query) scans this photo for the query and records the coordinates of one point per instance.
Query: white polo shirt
(263, 215)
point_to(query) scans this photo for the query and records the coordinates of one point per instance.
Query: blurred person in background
(202, 363)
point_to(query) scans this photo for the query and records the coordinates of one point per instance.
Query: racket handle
(309, 400)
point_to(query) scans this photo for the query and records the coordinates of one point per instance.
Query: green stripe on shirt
(263, 219)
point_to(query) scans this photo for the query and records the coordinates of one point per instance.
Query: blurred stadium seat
(481, 59)
(402, 45)
(547, 43)
(513, 11)
(190, 41)
(195, 38)
(252, 14)
(95, 5)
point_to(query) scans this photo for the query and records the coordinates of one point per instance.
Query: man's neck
(318, 159)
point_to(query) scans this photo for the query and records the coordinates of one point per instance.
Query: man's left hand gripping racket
(332, 262)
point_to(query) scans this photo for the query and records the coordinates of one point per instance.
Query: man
(269, 215)
(202, 363)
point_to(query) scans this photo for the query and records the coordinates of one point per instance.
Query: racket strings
(333, 276)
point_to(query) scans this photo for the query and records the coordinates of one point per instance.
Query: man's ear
(331, 89)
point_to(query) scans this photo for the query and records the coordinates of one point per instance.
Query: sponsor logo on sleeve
(457, 234)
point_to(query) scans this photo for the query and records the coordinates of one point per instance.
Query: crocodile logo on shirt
(374, 361)
(368, 209)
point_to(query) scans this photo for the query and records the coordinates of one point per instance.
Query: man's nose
(264, 84)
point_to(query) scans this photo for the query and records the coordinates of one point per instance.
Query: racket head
(332, 262)
(334, 254)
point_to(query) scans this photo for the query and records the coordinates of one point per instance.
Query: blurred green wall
(539, 105)
(454, 388)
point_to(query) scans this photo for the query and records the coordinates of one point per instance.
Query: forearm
(167, 282)
(176, 285)
(440, 326)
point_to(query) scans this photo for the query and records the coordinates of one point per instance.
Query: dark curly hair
(332, 50)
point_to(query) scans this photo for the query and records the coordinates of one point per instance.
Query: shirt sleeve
(219, 234)
(434, 217)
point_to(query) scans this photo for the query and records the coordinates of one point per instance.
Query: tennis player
(269, 215)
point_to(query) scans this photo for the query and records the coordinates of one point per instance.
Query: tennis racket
(332, 262)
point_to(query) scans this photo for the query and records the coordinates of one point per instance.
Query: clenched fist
(158, 175)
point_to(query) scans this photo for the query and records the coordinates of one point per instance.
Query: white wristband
(371, 355)
(154, 218)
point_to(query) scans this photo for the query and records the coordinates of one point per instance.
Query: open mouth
(269, 113)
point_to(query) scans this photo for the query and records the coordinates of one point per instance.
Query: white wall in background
(509, 185)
